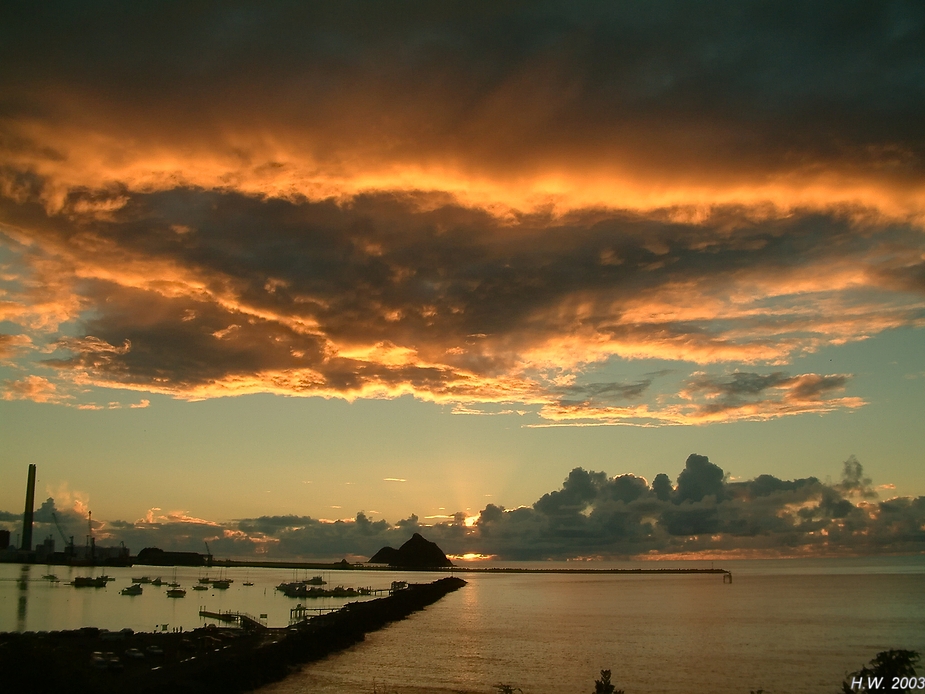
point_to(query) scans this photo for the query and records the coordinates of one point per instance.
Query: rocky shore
(208, 659)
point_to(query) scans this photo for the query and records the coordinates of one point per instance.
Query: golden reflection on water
(785, 626)
(781, 626)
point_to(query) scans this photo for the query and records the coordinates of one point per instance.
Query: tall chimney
(27, 514)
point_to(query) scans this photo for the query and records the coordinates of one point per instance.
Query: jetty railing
(245, 619)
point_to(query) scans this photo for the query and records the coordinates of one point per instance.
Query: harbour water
(782, 626)
(30, 603)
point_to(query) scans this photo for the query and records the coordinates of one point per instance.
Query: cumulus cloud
(474, 207)
(853, 482)
(593, 515)
(703, 513)
(65, 514)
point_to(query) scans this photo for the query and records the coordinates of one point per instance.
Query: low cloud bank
(591, 516)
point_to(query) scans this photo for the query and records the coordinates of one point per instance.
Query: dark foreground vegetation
(892, 670)
(209, 659)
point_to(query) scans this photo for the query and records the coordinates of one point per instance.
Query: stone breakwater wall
(205, 660)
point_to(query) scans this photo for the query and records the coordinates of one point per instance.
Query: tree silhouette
(885, 665)
(603, 685)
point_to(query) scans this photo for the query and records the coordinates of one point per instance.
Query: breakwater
(208, 659)
(570, 570)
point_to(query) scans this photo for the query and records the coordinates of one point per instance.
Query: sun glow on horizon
(471, 556)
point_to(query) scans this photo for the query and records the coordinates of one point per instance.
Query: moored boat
(176, 593)
(299, 589)
(134, 589)
(89, 582)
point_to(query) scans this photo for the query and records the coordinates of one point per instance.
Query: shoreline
(343, 565)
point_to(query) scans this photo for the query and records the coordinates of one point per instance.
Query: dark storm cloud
(754, 87)
(200, 293)
(470, 203)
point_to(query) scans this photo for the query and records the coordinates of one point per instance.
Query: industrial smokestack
(27, 514)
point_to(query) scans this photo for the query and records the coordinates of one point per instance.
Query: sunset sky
(416, 259)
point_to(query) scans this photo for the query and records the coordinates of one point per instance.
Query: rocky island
(416, 553)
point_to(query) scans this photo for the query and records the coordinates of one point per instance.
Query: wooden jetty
(301, 613)
(247, 621)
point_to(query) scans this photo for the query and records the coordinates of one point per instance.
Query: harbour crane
(68, 546)
(91, 541)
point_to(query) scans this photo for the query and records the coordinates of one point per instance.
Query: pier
(247, 621)
(301, 613)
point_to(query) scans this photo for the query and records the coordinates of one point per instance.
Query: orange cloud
(562, 119)
(34, 388)
(155, 515)
(474, 227)
(177, 322)
(13, 344)
(289, 167)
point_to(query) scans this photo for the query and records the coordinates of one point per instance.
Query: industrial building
(44, 552)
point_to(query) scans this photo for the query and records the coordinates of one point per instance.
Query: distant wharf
(726, 574)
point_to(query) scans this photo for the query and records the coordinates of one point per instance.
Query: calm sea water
(782, 626)
(29, 603)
